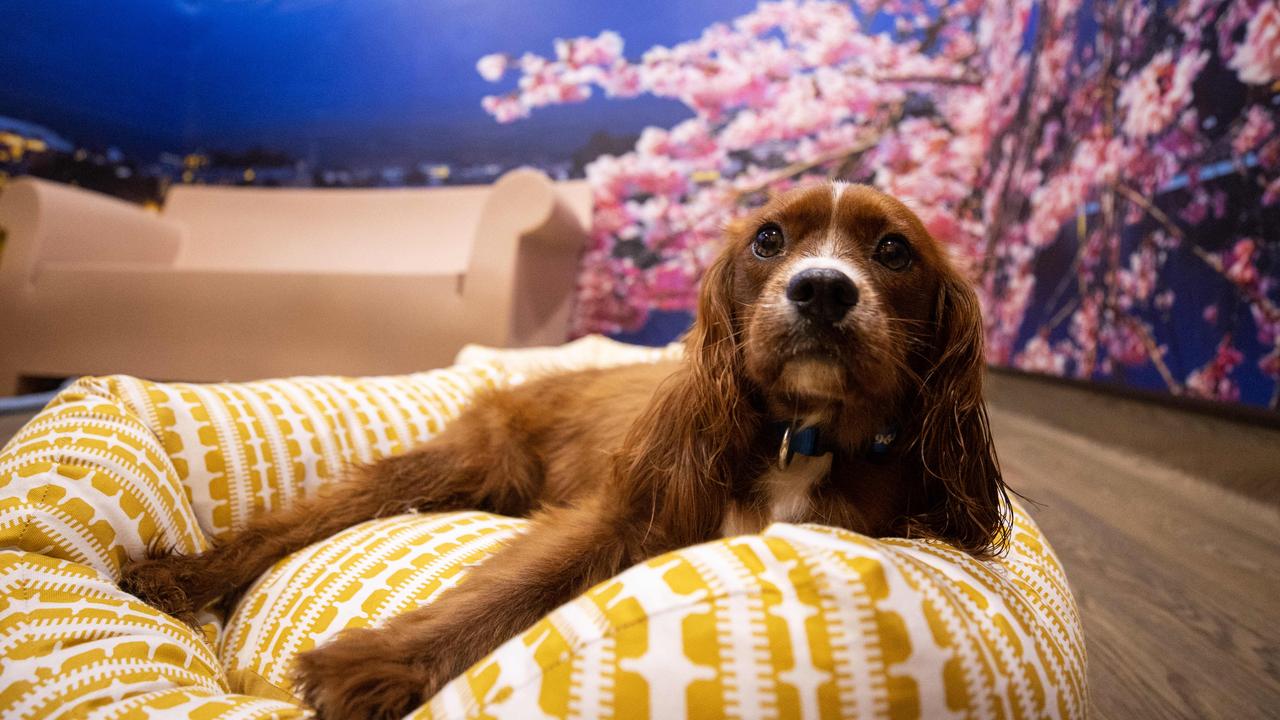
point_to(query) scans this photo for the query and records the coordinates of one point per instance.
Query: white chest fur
(786, 493)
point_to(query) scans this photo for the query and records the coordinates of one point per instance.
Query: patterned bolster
(88, 481)
(116, 465)
(83, 487)
(242, 449)
(74, 645)
(800, 621)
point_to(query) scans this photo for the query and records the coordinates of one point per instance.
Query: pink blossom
(1156, 95)
(1137, 282)
(688, 140)
(1272, 192)
(1240, 265)
(504, 108)
(1213, 379)
(1183, 141)
(1268, 324)
(1039, 356)
(1270, 364)
(604, 49)
(1202, 204)
(1084, 330)
(1124, 344)
(1269, 155)
(1257, 59)
(492, 67)
(1091, 254)
(1063, 196)
(622, 80)
(1192, 15)
(1257, 128)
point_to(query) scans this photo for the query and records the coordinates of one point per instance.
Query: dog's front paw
(162, 583)
(360, 674)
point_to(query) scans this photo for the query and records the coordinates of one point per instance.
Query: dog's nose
(822, 294)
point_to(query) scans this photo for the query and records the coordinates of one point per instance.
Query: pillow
(591, 351)
(801, 620)
(72, 644)
(84, 486)
(116, 465)
(360, 577)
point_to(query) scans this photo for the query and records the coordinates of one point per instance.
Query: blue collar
(808, 442)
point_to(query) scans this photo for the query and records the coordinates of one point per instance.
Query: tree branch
(930, 79)
(1153, 351)
(1264, 304)
(799, 168)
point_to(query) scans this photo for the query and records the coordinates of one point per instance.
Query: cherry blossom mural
(1107, 172)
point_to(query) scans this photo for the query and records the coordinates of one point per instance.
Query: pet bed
(798, 621)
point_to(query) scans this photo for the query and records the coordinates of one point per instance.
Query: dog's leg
(477, 463)
(667, 488)
(387, 672)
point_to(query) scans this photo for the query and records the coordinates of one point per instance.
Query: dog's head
(835, 306)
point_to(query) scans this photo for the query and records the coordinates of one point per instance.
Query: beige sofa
(238, 283)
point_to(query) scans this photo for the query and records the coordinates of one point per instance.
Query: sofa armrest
(519, 282)
(50, 222)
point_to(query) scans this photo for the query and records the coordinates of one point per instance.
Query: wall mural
(1108, 172)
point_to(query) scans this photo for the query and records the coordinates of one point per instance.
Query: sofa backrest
(396, 231)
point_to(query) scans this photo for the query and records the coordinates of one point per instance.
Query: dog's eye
(768, 242)
(893, 252)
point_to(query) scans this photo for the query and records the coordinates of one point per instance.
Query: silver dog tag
(784, 450)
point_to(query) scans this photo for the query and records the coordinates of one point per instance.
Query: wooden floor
(1177, 577)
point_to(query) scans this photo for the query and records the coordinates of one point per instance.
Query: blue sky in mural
(325, 80)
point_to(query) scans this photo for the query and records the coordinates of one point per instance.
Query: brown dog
(833, 375)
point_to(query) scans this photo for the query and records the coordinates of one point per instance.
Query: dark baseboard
(1236, 448)
(10, 424)
(1228, 411)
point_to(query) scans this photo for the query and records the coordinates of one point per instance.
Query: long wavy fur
(683, 452)
(967, 500)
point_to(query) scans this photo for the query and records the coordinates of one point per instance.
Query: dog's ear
(712, 344)
(968, 503)
(681, 454)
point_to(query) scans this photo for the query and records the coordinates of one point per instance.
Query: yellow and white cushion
(799, 621)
